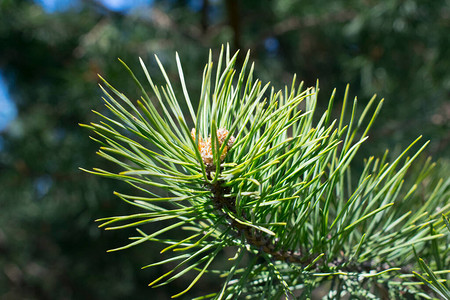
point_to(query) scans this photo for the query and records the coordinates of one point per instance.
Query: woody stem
(253, 236)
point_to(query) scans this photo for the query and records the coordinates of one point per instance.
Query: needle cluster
(264, 175)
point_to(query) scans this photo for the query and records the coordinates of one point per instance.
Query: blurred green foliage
(49, 246)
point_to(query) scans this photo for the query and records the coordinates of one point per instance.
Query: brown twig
(252, 235)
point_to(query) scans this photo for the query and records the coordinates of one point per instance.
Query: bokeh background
(52, 50)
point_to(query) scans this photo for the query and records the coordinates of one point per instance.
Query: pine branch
(273, 181)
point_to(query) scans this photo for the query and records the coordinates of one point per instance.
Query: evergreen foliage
(50, 248)
(261, 175)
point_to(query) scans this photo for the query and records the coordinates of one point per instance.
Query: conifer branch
(263, 173)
